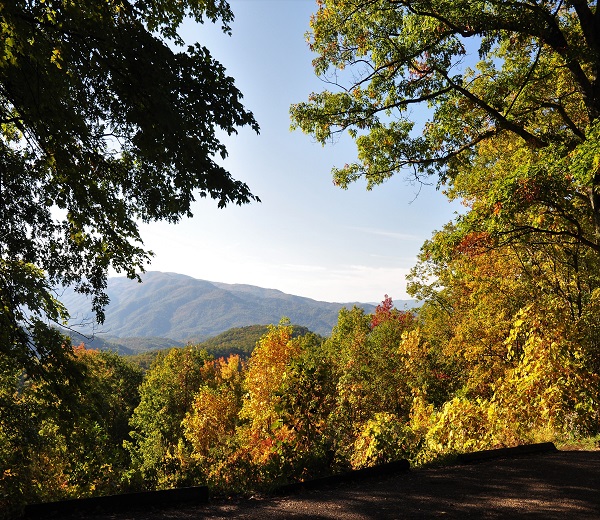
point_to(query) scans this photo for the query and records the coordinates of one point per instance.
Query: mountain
(124, 346)
(177, 307)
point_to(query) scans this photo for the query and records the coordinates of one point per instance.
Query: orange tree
(263, 435)
(515, 322)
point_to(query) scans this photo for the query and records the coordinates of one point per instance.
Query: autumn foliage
(476, 372)
(504, 347)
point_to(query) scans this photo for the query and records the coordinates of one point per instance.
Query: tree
(103, 125)
(263, 434)
(210, 426)
(533, 97)
(513, 134)
(513, 325)
(159, 450)
(375, 371)
(255, 425)
(307, 399)
(65, 448)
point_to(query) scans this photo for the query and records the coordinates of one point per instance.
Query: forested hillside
(124, 346)
(383, 386)
(239, 341)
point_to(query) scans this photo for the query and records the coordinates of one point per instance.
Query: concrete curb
(391, 468)
(525, 449)
(117, 503)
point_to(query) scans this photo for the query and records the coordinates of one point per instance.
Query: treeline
(468, 371)
(237, 340)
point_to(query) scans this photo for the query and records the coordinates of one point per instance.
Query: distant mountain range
(170, 309)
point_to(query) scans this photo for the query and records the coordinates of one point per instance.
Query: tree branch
(526, 80)
(539, 24)
(527, 230)
(529, 138)
(588, 22)
(565, 117)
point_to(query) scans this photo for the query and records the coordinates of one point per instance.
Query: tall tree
(103, 125)
(501, 102)
(534, 96)
(375, 369)
(514, 325)
(159, 450)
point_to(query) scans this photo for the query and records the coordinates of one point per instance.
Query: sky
(307, 237)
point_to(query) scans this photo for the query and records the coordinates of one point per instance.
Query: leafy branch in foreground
(102, 125)
(452, 88)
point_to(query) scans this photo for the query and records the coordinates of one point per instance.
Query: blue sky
(306, 237)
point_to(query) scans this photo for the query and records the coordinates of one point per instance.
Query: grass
(579, 444)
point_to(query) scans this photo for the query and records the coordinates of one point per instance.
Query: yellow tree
(210, 426)
(266, 370)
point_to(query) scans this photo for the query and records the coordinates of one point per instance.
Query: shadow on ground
(557, 485)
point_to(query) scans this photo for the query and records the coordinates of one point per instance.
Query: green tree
(508, 103)
(376, 366)
(160, 452)
(105, 121)
(64, 448)
(532, 97)
(307, 399)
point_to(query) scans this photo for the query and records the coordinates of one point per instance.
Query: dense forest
(384, 386)
(239, 341)
(505, 347)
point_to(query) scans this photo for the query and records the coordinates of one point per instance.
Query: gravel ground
(561, 485)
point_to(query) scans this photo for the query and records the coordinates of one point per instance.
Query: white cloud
(389, 234)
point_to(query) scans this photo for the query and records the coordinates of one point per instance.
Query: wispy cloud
(304, 268)
(387, 234)
(357, 283)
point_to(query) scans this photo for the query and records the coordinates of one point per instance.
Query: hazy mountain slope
(125, 346)
(169, 305)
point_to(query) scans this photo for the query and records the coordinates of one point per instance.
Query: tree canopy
(498, 101)
(448, 88)
(106, 120)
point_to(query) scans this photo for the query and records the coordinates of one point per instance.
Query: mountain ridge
(185, 309)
